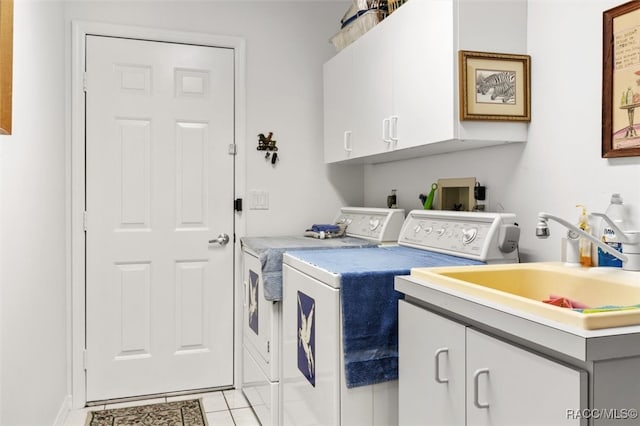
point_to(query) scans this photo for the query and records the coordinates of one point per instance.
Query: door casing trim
(76, 302)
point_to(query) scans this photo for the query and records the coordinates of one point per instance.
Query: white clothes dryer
(339, 320)
(262, 280)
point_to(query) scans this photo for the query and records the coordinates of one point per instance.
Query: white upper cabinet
(393, 93)
(338, 92)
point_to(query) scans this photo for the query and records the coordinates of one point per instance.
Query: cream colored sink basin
(524, 286)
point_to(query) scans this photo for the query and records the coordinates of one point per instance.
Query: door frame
(76, 181)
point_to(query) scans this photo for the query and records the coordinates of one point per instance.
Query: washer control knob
(468, 235)
(373, 224)
(440, 232)
(417, 229)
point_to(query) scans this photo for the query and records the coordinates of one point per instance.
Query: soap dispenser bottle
(584, 245)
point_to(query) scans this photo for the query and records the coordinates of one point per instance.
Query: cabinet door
(424, 73)
(507, 385)
(431, 369)
(373, 88)
(338, 107)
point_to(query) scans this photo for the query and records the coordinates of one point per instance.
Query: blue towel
(369, 303)
(325, 228)
(271, 249)
(370, 323)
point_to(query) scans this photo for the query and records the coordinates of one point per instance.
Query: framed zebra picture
(621, 80)
(494, 86)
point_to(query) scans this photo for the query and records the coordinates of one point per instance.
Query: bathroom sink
(524, 286)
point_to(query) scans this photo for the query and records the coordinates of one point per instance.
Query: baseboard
(65, 407)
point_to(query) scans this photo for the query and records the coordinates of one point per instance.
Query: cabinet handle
(385, 130)
(437, 358)
(246, 294)
(347, 141)
(394, 128)
(476, 386)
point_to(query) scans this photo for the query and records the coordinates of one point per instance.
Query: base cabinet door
(507, 385)
(431, 370)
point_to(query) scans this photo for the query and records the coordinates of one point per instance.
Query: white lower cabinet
(451, 374)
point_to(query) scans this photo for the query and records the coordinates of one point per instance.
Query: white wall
(287, 43)
(560, 165)
(33, 373)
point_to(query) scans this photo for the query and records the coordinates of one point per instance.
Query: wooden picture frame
(6, 65)
(621, 80)
(494, 86)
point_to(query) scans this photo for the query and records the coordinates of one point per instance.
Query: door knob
(222, 239)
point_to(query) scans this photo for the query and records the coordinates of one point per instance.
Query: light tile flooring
(223, 408)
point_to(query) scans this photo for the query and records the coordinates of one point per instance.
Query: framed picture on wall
(621, 81)
(6, 65)
(494, 86)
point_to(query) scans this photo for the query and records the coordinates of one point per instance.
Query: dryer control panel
(377, 224)
(487, 237)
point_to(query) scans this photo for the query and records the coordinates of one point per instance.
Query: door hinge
(84, 221)
(268, 346)
(237, 204)
(233, 149)
(84, 81)
(84, 359)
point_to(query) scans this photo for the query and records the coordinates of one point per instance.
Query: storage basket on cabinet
(394, 4)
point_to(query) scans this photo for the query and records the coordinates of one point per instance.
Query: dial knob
(373, 224)
(468, 235)
(417, 229)
(440, 232)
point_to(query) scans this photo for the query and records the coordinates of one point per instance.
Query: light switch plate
(259, 200)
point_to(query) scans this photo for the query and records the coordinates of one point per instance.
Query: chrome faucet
(630, 240)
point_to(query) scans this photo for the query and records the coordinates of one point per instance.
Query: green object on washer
(428, 203)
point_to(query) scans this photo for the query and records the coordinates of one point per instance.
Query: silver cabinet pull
(437, 358)
(476, 386)
(347, 141)
(385, 130)
(222, 239)
(393, 132)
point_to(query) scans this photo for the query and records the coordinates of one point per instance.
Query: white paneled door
(159, 182)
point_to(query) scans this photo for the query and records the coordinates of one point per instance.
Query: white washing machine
(339, 319)
(262, 279)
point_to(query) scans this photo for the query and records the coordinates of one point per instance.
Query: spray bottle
(584, 245)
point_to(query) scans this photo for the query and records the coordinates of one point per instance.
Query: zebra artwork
(504, 91)
(500, 84)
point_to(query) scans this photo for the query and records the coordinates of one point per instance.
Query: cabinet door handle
(437, 358)
(386, 124)
(394, 128)
(347, 141)
(476, 388)
(246, 294)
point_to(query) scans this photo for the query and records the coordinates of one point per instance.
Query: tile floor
(223, 408)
